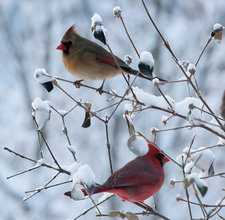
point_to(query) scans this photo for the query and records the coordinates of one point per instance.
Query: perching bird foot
(100, 90)
(77, 83)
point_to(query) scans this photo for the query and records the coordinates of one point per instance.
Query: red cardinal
(137, 180)
(89, 61)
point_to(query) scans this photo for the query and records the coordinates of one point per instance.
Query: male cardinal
(89, 61)
(137, 180)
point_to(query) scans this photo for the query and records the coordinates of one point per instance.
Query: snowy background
(30, 33)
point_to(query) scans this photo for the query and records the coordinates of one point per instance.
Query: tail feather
(98, 189)
(139, 74)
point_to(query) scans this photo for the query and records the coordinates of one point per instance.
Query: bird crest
(72, 28)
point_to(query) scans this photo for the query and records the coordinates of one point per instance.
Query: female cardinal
(137, 180)
(89, 61)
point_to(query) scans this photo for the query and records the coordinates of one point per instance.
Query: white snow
(203, 159)
(117, 11)
(197, 180)
(42, 76)
(218, 27)
(72, 168)
(128, 108)
(84, 175)
(41, 161)
(137, 145)
(96, 20)
(155, 82)
(221, 141)
(100, 27)
(77, 194)
(189, 166)
(41, 111)
(182, 107)
(147, 58)
(62, 112)
(149, 99)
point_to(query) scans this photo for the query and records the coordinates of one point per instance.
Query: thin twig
(78, 103)
(121, 18)
(108, 145)
(25, 171)
(209, 40)
(92, 200)
(187, 195)
(150, 210)
(39, 190)
(197, 204)
(204, 212)
(35, 161)
(50, 186)
(89, 209)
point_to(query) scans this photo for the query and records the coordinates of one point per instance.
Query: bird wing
(103, 56)
(137, 172)
(110, 60)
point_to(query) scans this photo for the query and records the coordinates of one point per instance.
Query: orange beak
(165, 159)
(61, 47)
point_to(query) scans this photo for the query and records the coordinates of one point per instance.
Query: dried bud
(222, 107)
(217, 32)
(153, 131)
(191, 106)
(127, 59)
(117, 12)
(172, 182)
(44, 79)
(99, 34)
(155, 82)
(188, 67)
(87, 118)
(178, 197)
(191, 69)
(146, 64)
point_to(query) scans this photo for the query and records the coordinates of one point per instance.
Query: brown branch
(108, 146)
(35, 161)
(209, 40)
(89, 209)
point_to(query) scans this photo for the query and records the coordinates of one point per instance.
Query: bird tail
(139, 74)
(98, 189)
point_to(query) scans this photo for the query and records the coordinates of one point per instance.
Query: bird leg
(144, 206)
(150, 210)
(77, 83)
(100, 89)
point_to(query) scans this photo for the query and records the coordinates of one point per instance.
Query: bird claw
(77, 83)
(100, 90)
